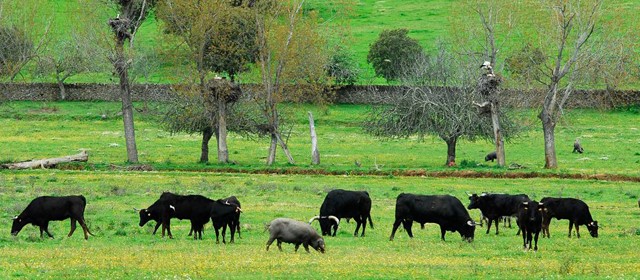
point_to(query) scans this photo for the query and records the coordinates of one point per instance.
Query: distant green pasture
(36, 130)
(123, 250)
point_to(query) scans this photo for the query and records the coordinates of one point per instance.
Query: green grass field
(123, 250)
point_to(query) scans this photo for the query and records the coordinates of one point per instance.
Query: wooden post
(315, 154)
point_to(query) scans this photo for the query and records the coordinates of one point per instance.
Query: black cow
(444, 210)
(154, 212)
(574, 210)
(495, 206)
(222, 216)
(530, 222)
(196, 208)
(44, 209)
(491, 156)
(342, 204)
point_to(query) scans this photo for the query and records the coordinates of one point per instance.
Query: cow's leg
(41, 231)
(407, 226)
(535, 238)
(46, 229)
(497, 225)
(306, 247)
(73, 227)
(396, 224)
(271, 238)
(364, 226)
(156, 228)
(335, 228)
(489, 226)
(232, 228)
(570, 227)
(524, 239)
(224, 233)
(298, 246)
(358, 222)
(442, 232)
(218, 233)
(577, 230)
(279, 244)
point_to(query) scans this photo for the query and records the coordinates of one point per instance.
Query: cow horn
(335, 219)
(525, 203)
(14, 218)
(313, 219)
(468, 194)
(238, 209)
(172, 207)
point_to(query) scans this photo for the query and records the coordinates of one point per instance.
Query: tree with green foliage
(219, 36)
(393, 52)
(343, 67)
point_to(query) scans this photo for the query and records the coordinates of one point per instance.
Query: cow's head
(318, 244)
(476, 201)
(18, 224)
(326, 223)
(593, 228)
(532, 210)
(146, 216)
(468, 230)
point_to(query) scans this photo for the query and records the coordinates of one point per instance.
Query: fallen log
(46, 163)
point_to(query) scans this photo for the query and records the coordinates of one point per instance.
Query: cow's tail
(370, 221)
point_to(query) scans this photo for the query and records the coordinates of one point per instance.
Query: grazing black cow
(44, 209)
(196, 208)
(444, 210)
(491, 156)
(295, 232)
(530, 222)
(574, 210)
(495, 206)
(154, 212)
(342, 204)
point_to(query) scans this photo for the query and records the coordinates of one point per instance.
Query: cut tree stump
(46, 163)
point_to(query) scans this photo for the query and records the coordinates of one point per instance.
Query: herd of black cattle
(445, 210)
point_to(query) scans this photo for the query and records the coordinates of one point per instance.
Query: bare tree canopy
(437, 99)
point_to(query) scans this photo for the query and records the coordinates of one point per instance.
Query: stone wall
(346, 94)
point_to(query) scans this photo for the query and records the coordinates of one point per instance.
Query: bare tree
(68, 58)
(571, 32)
(435, 99)
(20, 41)
(290, 50)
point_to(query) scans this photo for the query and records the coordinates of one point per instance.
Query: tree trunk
(315, 154)
(451, 151)
(127, 105)
(272, 149)
(207, 133)
(497, 133)
(548, 127)
(223, 152)
(63, 92)
(285, 149)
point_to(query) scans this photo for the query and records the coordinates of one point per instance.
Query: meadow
(121, 249)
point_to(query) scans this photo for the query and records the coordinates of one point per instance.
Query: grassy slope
(121, 249)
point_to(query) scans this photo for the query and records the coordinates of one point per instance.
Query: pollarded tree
(393, 51)
(435, 99)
